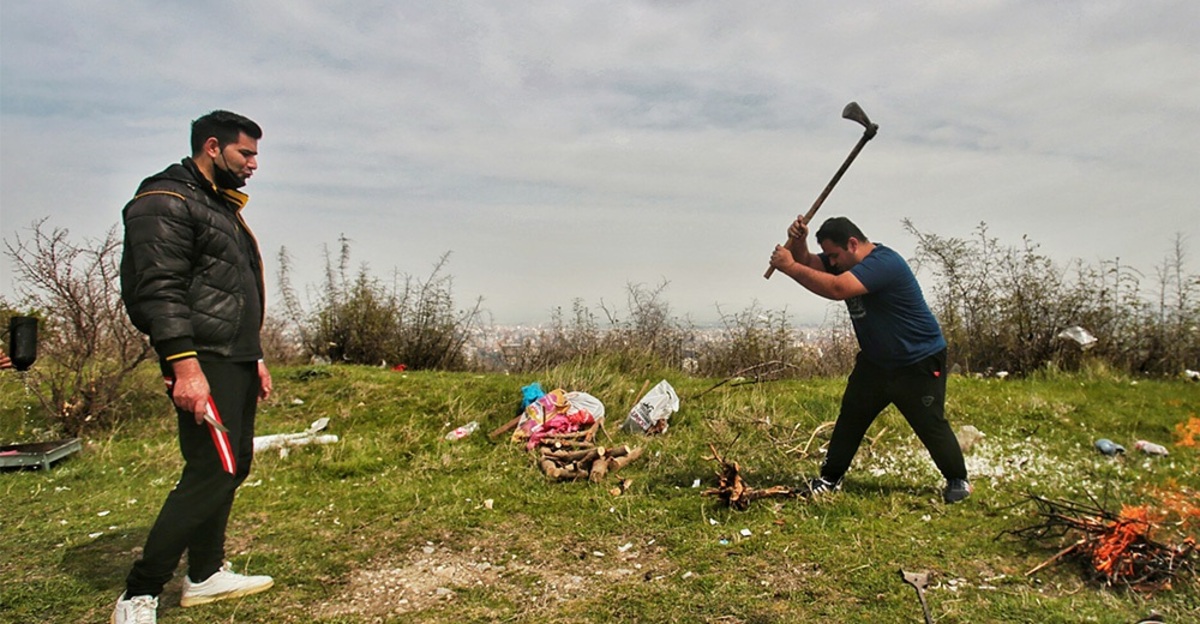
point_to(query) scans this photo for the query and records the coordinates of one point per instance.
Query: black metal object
(22, 341)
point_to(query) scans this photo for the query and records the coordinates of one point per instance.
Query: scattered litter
(1191, 374)
(282, 441)
(687, 575)
(1108, 447)
(488, 504)
(745, 532)
(96, 534)
(297, 401)
(626, 547)
(463, 431)
(1151, 448)
(103, 513)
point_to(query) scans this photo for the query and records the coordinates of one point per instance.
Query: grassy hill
(395, 524)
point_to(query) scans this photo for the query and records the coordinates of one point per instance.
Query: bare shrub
(280, 344)
(1002, 307)
(87, 347)
(644, 335)
(361, 320)
(752, 338)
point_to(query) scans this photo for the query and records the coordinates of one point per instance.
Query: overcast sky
(563, 150)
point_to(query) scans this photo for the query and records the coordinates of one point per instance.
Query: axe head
(855, 113)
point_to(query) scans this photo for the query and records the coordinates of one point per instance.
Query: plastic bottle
(1108, 447)
(1150, 448)
(463, 431)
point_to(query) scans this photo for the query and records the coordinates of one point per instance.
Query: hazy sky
(563, 150)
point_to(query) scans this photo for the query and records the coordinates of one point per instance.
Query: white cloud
(563, 150)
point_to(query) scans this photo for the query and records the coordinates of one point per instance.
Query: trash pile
(559, 429)
(1115, 549)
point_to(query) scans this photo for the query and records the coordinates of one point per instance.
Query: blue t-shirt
(893, 323)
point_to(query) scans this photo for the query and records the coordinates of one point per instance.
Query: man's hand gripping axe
(853, 112)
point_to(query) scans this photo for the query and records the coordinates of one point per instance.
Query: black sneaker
(818, 486)
(956, 490)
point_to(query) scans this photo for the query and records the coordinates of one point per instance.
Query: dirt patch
(434, 574)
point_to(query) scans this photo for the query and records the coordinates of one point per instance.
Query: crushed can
(1108, 447)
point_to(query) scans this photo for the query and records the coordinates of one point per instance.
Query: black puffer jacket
(191, 271)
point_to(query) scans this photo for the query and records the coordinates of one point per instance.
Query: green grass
(395, 524)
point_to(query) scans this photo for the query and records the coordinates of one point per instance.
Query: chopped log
(620, 461)
(553, 471)
(581, 455)
(599, 470)
(619, 451)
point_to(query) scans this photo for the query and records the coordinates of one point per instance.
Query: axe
(855, 113)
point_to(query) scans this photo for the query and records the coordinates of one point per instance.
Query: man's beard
(225, 179)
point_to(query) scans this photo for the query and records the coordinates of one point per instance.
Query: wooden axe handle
(867, 136)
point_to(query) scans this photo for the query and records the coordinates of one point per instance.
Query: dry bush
(361, 320)
(1003, 307)
(87, 347)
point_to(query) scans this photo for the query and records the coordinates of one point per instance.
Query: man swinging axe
(902, 353)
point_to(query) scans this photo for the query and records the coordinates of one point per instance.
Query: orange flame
(1188, 432)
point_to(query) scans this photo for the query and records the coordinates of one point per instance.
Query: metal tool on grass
(919, 580)
(855, 113)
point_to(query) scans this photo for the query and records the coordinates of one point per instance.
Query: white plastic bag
(652, 411)
(1083, 337)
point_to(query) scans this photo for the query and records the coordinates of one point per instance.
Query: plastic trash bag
(1080, 335)
(651, 413)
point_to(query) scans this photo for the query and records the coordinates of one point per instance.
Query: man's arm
(798, 237)
(190, 391)
(820, 282)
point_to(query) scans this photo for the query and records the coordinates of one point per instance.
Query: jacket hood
(185, 172)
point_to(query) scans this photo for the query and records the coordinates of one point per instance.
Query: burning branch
(1112, 548)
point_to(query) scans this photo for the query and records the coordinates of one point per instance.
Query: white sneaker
(224, 583)
(136, 610)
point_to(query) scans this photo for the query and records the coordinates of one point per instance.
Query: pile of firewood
(573, 456)
(1111, 548)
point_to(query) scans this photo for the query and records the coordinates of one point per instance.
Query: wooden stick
(506, 427)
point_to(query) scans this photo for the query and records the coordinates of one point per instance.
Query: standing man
(192, 280)
(902, 354)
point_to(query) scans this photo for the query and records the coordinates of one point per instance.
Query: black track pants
(918, 391)
(196, 512)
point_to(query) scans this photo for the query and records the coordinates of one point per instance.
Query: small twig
(804, 450)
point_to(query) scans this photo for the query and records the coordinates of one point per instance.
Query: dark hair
(839, 230)
(223, 125)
